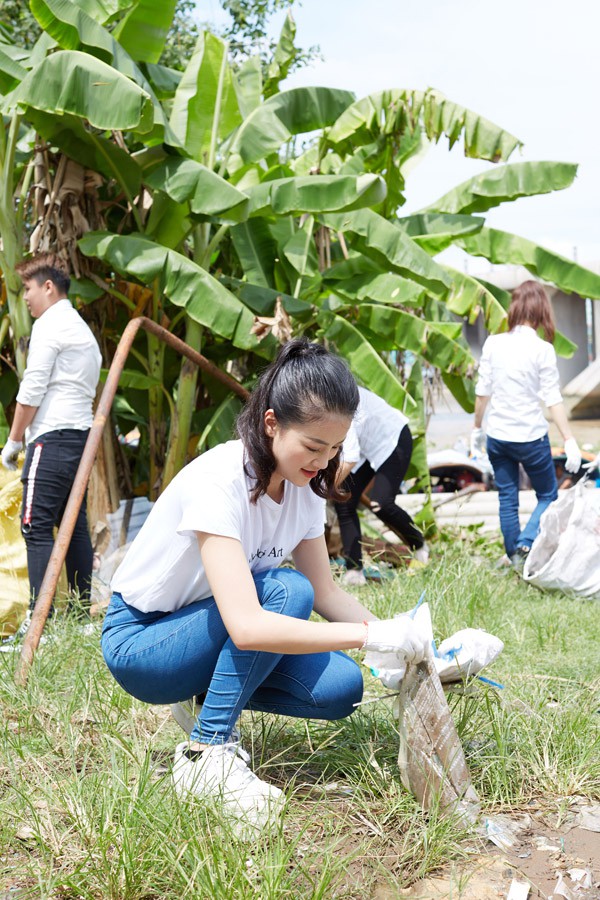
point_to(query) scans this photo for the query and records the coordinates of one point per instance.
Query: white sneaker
(354, 578)
(15, 641)
(221, 773)
(422, 554)
(186, 712)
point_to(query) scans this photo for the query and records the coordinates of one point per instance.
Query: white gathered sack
(566, 553)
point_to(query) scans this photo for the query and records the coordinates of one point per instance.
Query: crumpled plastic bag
(466, 653)
(463, 654)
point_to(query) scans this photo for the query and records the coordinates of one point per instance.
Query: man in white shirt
(54, 414)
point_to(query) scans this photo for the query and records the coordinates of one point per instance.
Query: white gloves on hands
(573, 452)
(9, 454)
(478, 442)
(594, 464)
(400, 637)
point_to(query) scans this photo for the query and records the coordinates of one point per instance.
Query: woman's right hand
(399, 636)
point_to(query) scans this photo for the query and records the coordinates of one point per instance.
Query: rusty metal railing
(67, 525)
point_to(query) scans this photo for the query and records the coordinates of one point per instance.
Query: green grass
(86, 808)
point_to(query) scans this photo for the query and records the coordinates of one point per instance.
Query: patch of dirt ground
(550, 863)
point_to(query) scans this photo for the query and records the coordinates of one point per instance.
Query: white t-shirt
(374, 431)
(163, 569)
(518, 372)
(63, 366)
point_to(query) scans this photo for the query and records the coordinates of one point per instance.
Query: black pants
(48, 474)
(388, 479)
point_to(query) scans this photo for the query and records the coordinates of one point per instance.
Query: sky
(530, 66)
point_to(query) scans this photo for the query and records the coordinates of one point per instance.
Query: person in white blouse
(54, 414)
(378, 446)
(517, 373)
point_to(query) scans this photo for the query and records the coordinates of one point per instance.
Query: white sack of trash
(458, 657)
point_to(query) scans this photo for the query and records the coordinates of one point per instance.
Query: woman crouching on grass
(202, 607)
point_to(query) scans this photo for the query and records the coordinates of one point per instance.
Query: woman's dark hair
(530, 306)
(46, 267)
(304, 384)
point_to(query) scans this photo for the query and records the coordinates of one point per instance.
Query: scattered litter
(499, 833)
(26, 834)
(581, 877)
(562, 889)
(519, 890)
(542, 843)
(589, 817)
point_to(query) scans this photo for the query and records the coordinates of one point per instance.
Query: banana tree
(215, 219)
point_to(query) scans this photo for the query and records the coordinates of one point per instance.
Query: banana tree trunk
(156, 424)
(426, 517)
(181, 420)
(11, 251)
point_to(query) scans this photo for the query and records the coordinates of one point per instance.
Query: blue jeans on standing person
(165, 657)
(536, 459)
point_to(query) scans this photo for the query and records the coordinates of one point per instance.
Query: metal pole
(67, 525)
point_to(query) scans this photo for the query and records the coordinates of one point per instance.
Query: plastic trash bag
(466, 653)
(565, 555)
(463, 654)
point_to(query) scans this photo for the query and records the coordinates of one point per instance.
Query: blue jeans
(163, 657)
(536, 458)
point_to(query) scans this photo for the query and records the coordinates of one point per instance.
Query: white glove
(594, 464)
(573, 452)
(478, 444)
(10, 452)
(399, 636)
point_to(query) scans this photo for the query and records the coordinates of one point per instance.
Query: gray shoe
(518, 558)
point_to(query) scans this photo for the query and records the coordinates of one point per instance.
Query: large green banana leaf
(366, 363)
(187, 181)
(73, 29)
(300, 251)
(88, 148)
(436, 231)
(247, 82)
(143, 31)
(437, 342)
(284, 56)
(256, 250)
(468, 298)
(164, 80)
(168, 222)
(105, 11)
(385, 287)
(182, 281)
(503, 184)
(315, 194)
(261, 300)
(392, 112)
(296, 111)
(502, 247)
(11, 71)
(73, 82)
(389, 247)
(205, 107)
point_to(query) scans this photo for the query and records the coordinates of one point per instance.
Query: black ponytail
(304, 384)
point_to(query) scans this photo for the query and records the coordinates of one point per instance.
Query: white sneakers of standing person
(354, 578)
(221, 773)
(422, 554)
